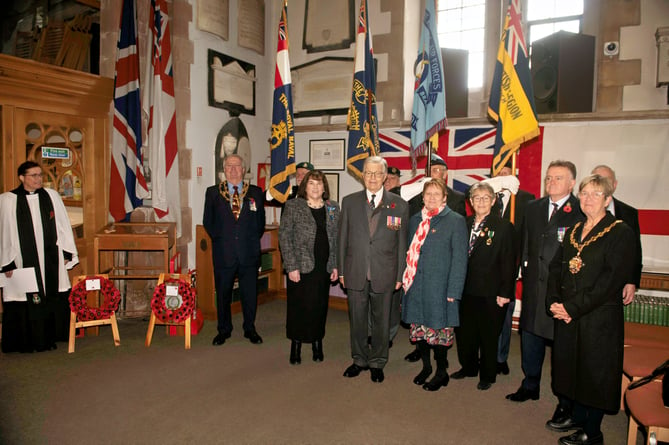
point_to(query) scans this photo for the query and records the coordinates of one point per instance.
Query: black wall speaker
(456, 73)
(563, 66)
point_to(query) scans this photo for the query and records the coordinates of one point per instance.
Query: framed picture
(333, 183)
(327, 154)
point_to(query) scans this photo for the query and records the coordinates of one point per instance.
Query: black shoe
(377, 375)
(503, 368)
(413, 356)
(483, 386)
(461, 374)
(523, 395)
(220, 339)
(562, 421)
(253, 337)
(369, 340)
(390, 344)
(295, 352)
(580, 438)
(354, 370)
(422, 376)
(436, 383)
(317, 349)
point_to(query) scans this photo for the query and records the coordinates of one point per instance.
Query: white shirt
(559, 203)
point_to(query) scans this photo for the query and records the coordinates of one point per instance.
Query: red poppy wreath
(173, 308)
(78, 303)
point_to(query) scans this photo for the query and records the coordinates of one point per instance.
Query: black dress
(307, 307)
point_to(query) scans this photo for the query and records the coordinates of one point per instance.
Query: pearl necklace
(315, 206)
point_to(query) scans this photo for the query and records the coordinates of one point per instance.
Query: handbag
(662, 370)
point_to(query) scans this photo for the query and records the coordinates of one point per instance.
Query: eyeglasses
(588, 195)
(373, 174)
(484, 198)
(35, 175)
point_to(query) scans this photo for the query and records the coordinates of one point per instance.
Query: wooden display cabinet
(206, 290)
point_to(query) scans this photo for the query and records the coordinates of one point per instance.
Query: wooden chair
(155, 321)
(74, 324)
(638, 362)
(647, 410)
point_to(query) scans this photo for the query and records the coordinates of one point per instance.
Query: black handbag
(662, 370)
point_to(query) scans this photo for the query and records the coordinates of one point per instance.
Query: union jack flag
(516, 39)
(127, 185)
(468, 153)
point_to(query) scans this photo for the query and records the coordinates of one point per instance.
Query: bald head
(608, 173)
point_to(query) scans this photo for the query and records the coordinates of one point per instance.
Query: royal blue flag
(282, 140)
(362, 123)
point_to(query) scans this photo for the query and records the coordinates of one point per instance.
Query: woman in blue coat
(433, 280)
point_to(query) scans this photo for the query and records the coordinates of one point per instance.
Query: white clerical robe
(10, 250)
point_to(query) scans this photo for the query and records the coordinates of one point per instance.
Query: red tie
(235, 203)
(555, 209)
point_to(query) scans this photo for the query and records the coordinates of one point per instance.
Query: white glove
(499, 183)
(408, 191)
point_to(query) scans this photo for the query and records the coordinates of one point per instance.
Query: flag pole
(512, 201)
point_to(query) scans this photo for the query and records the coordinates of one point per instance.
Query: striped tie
(235, 203)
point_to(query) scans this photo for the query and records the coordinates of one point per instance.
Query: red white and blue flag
(127, 185)
(158, 105)
(282, 139)
(362, 122)
(468, 153)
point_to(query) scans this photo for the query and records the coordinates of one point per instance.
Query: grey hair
(377, 160)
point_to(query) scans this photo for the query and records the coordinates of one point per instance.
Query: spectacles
(484, 198)
(35, 175)
(584, 195)
(373, 174)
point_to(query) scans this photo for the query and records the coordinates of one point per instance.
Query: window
(544, 17)
(461, 25)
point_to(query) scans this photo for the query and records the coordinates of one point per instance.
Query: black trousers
(248, 289)
(480, 324)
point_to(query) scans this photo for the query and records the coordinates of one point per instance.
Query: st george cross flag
(429, 102)
(511, 99)
(158, 106)
(282, 139)
(362, 123)
(127, 185)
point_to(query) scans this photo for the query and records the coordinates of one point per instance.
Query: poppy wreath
(179, 315)
(78, 303)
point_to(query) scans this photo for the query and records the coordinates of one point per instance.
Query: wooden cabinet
(271, 278)
(44, 105)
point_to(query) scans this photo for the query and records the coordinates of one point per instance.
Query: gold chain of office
(576, 263)
(225, 191)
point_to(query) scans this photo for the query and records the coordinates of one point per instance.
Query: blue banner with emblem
(282, 139)
(362, 123)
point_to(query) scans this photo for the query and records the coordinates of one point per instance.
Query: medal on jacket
(576, 263)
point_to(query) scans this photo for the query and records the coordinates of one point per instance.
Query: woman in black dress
(585, 296)
(308, 241)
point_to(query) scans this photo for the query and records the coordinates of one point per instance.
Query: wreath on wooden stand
(79, 303)
(173, 308)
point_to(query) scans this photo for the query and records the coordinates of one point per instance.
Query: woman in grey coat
(308, 241)
(434, 279)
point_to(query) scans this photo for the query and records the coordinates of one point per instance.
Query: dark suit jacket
(234, 242)
(540, 242)
(454, 200)
(522, 198)
(491, 270)
(383, 252)
(630, 216)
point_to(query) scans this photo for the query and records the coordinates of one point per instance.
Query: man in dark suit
(630, 216)
(546, 221)
(234, 217)
(371, 257)
(455, 200)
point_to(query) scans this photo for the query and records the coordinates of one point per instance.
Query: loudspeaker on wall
(563, 66)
